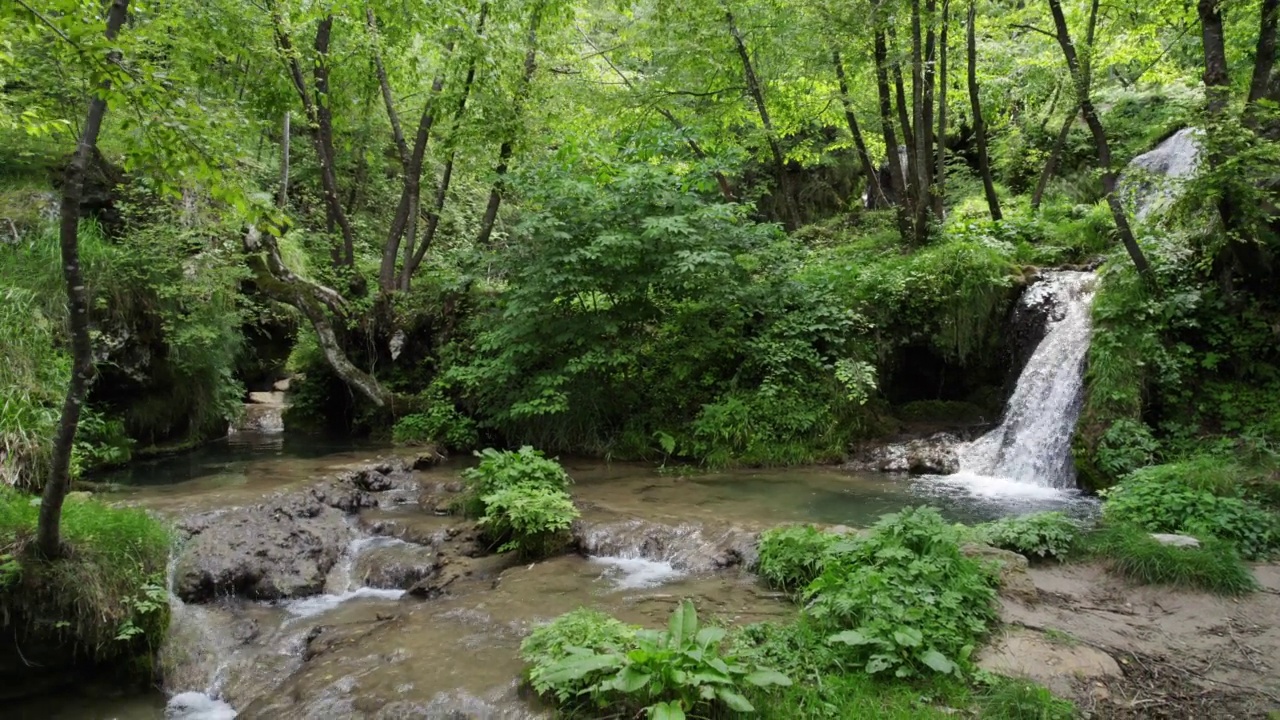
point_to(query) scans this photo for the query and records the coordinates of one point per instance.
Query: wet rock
(428, 457)
(399, 566)
(285, 547)
(1182, 541)
(688, 546)
(934, 455)
(1152, 181)
(1015, 582)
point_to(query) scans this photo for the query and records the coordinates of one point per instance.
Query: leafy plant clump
(521, 500)
(792, 557)
(667, 674)
(105, 601)
(578, 630)
(904, 599)
(1192, 498)
(1037, 536)
(1016, 699)
(1132, 552)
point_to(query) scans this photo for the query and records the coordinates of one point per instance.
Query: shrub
(791, 557)
(533, 520)
(1132, 552)
(667, 673)
(499, 470)
(560, 639)
(1040, 535)
(1126, 446)
(904, 598)
(439, 423)
(1194, 498)
(106, 599)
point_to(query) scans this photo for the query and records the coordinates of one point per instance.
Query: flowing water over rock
(411, 618)
(1030, 452)
(1152, 181)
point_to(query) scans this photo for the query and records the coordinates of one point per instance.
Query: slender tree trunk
(414, 258)
(1099, 137)
(922, 119)
(897, 175)
(284, 162)
(320, 118)
(904, 113)
(1264, 57)
(979, 124)
(790, 207)
(1051, 164)
(1217, 84)
(940, 167)
(49, 526)
(508, 145)
(875, 195)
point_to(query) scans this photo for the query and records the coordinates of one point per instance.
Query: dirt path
(1127, 651)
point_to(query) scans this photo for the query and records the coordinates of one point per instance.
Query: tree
(48, 531)
(979, 124)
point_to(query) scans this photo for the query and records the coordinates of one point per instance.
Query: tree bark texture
(980, 125)
(56, 486)
(875, 194)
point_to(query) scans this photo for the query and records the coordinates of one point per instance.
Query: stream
(365, 649)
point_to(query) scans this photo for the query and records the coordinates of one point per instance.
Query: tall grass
(1132, 553)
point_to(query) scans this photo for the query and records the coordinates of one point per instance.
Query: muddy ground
(1128, 651)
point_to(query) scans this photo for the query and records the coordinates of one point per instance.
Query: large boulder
(285, 547)
(1015, 582)
(934, 455)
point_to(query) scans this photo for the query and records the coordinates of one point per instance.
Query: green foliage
(903, 598)
(521, 500)
(531, 519)
(1197, 497)
(550, 644)
(440, 423)
(1016, 699)
(1037, 536)
(1131, 552)
(666, 673)
(791, 557)
(106, 599)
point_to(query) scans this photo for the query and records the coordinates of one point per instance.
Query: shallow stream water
(371, 652)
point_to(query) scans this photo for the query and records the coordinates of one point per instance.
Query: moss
(104, 604)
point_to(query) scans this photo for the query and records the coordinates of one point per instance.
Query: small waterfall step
(1032, 445)
(264, 413)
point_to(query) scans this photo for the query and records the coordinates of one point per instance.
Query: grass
(1017, 699)
(1133, 554)
(105, 602)
(855, 695)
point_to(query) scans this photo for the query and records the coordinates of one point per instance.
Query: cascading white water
(1032, 445)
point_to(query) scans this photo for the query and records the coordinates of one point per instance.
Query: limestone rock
(1182, 541)
(934, 455)
(1015, 582)
(1023, 653)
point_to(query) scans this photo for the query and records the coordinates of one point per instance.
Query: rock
(934, 455)
(1023, 653)
(267, 398)
(429, 457)
(285, 547)
(688, 546)
(1015, 582)
(281, 385)
(397, 565)
(1182, 541)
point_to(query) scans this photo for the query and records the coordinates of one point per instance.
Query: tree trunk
(1264, 57)
(1051, 164)
(1099, 137)
(980, 125)
(49, 527)
(508, 145)
(875, 195)
(414, 258)
(1217, 85)
(922, 120)
(283, 200)
(940, 168)
(897, 174)
(790, 208)
(904, 115)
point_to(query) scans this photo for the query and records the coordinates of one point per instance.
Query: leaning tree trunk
(940, 170)
(897, 173)
(980, 125)
(49, 527)
(1099, 137)
(1051, 164)
(875, 194)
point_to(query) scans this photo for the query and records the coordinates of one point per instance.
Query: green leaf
(683, 625)
(908, 637)
(709, 636)
(937, 661)
(631, 679)
(850, 637)
(578, 667)
(666, 711)
(734, 701)
(765, 677)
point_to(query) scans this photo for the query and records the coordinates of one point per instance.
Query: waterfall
(1033, 442)
(1154, 179)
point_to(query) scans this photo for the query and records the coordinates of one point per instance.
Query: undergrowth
(105, 602)
(1132, 553)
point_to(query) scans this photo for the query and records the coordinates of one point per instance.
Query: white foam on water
(197, 706)
(998, 488)
(312, 606)
(636, 573)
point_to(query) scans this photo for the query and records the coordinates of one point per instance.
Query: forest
(721, 234)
